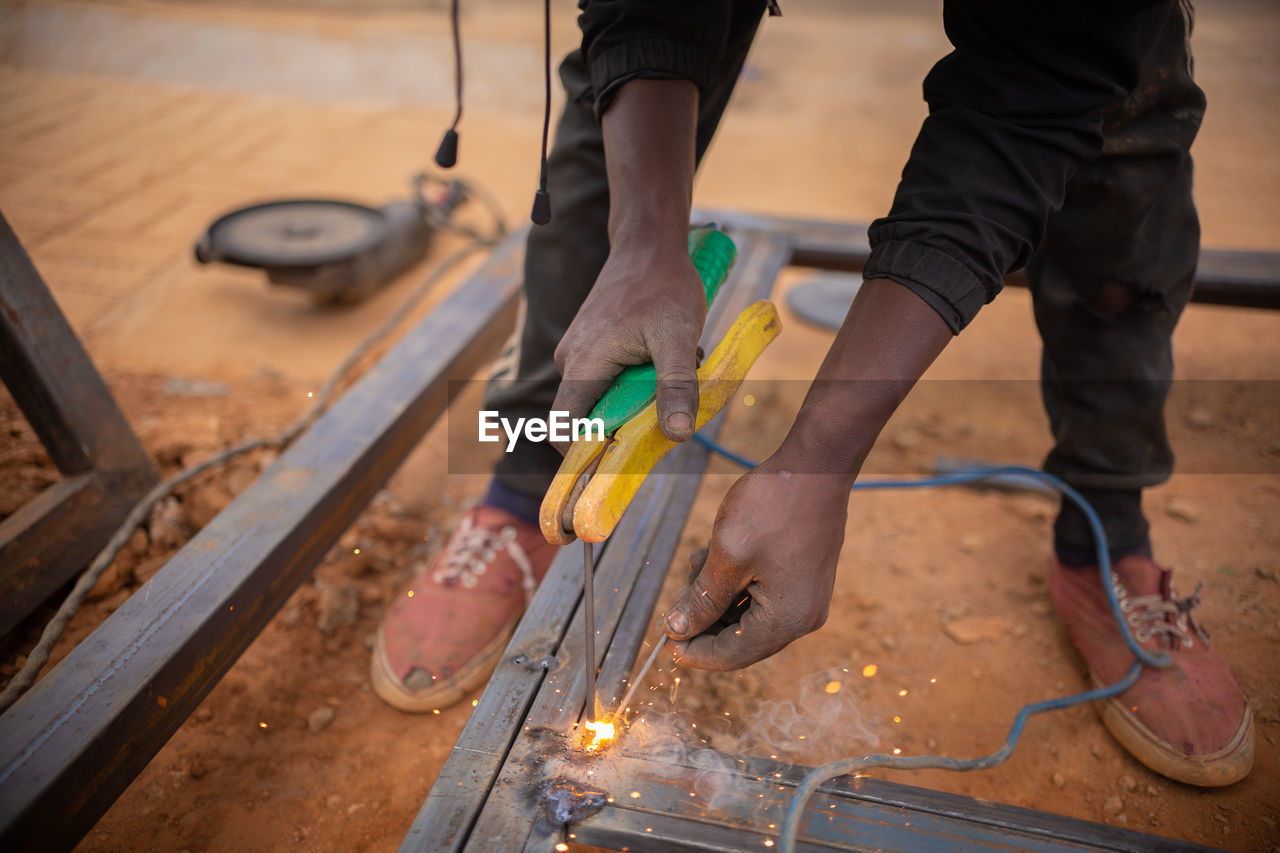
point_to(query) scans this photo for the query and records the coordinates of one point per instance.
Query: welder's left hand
(779, 530)
(777, 536)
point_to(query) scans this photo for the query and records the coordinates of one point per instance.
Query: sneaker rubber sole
(446, 693)
(1213, 770)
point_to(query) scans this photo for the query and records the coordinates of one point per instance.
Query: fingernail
(677, 622)
(679, 421)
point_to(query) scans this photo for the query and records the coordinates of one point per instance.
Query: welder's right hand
(648, 304)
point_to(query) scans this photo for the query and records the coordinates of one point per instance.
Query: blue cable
(827, 772)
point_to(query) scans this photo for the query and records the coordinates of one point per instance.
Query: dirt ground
(112, 161)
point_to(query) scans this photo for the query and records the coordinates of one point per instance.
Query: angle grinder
(339, 251)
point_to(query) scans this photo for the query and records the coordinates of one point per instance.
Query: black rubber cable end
(447, 153)
(541, 214)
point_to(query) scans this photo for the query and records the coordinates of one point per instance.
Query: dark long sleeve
(1012, 111)
(659, 39)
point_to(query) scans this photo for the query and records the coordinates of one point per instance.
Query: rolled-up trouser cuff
(933, 275)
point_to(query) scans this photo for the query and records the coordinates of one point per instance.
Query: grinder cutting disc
(338, 251)
(301, 232)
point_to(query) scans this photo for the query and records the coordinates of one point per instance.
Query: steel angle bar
(450, 809)
(739, 803)
(509, 819)
(538, 654)
(71, 745)
(824, 244)
(1245, 279)
(54, 535)
(538, 662)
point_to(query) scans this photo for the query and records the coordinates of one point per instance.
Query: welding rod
(589, 600)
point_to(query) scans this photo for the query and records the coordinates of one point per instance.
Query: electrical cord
(447, 153)
(541, 213)
(820, 775)
(39, 656)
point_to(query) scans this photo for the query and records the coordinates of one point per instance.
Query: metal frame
(750, 795)
(72, 745)
(489, 795)
(76, 741)
(104, 468)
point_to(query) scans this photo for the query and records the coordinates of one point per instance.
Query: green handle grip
(713, 254)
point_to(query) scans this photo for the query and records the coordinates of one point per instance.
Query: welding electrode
(589, 602)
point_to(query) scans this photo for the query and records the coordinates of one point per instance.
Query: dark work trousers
(1109, 282)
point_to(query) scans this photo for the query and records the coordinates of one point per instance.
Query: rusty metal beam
(105, 469)
(71, 746)
(53, 536)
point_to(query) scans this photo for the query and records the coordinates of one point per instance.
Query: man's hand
(648, 303)
(777, 536)
(645, 306)
(779, 530)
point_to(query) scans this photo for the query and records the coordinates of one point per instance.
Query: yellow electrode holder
(630, 454)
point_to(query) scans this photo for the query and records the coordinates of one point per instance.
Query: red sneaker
(1188, 722)
(447, 629)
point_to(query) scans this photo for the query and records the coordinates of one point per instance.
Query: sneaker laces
(470, 551)
(1160, 615)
